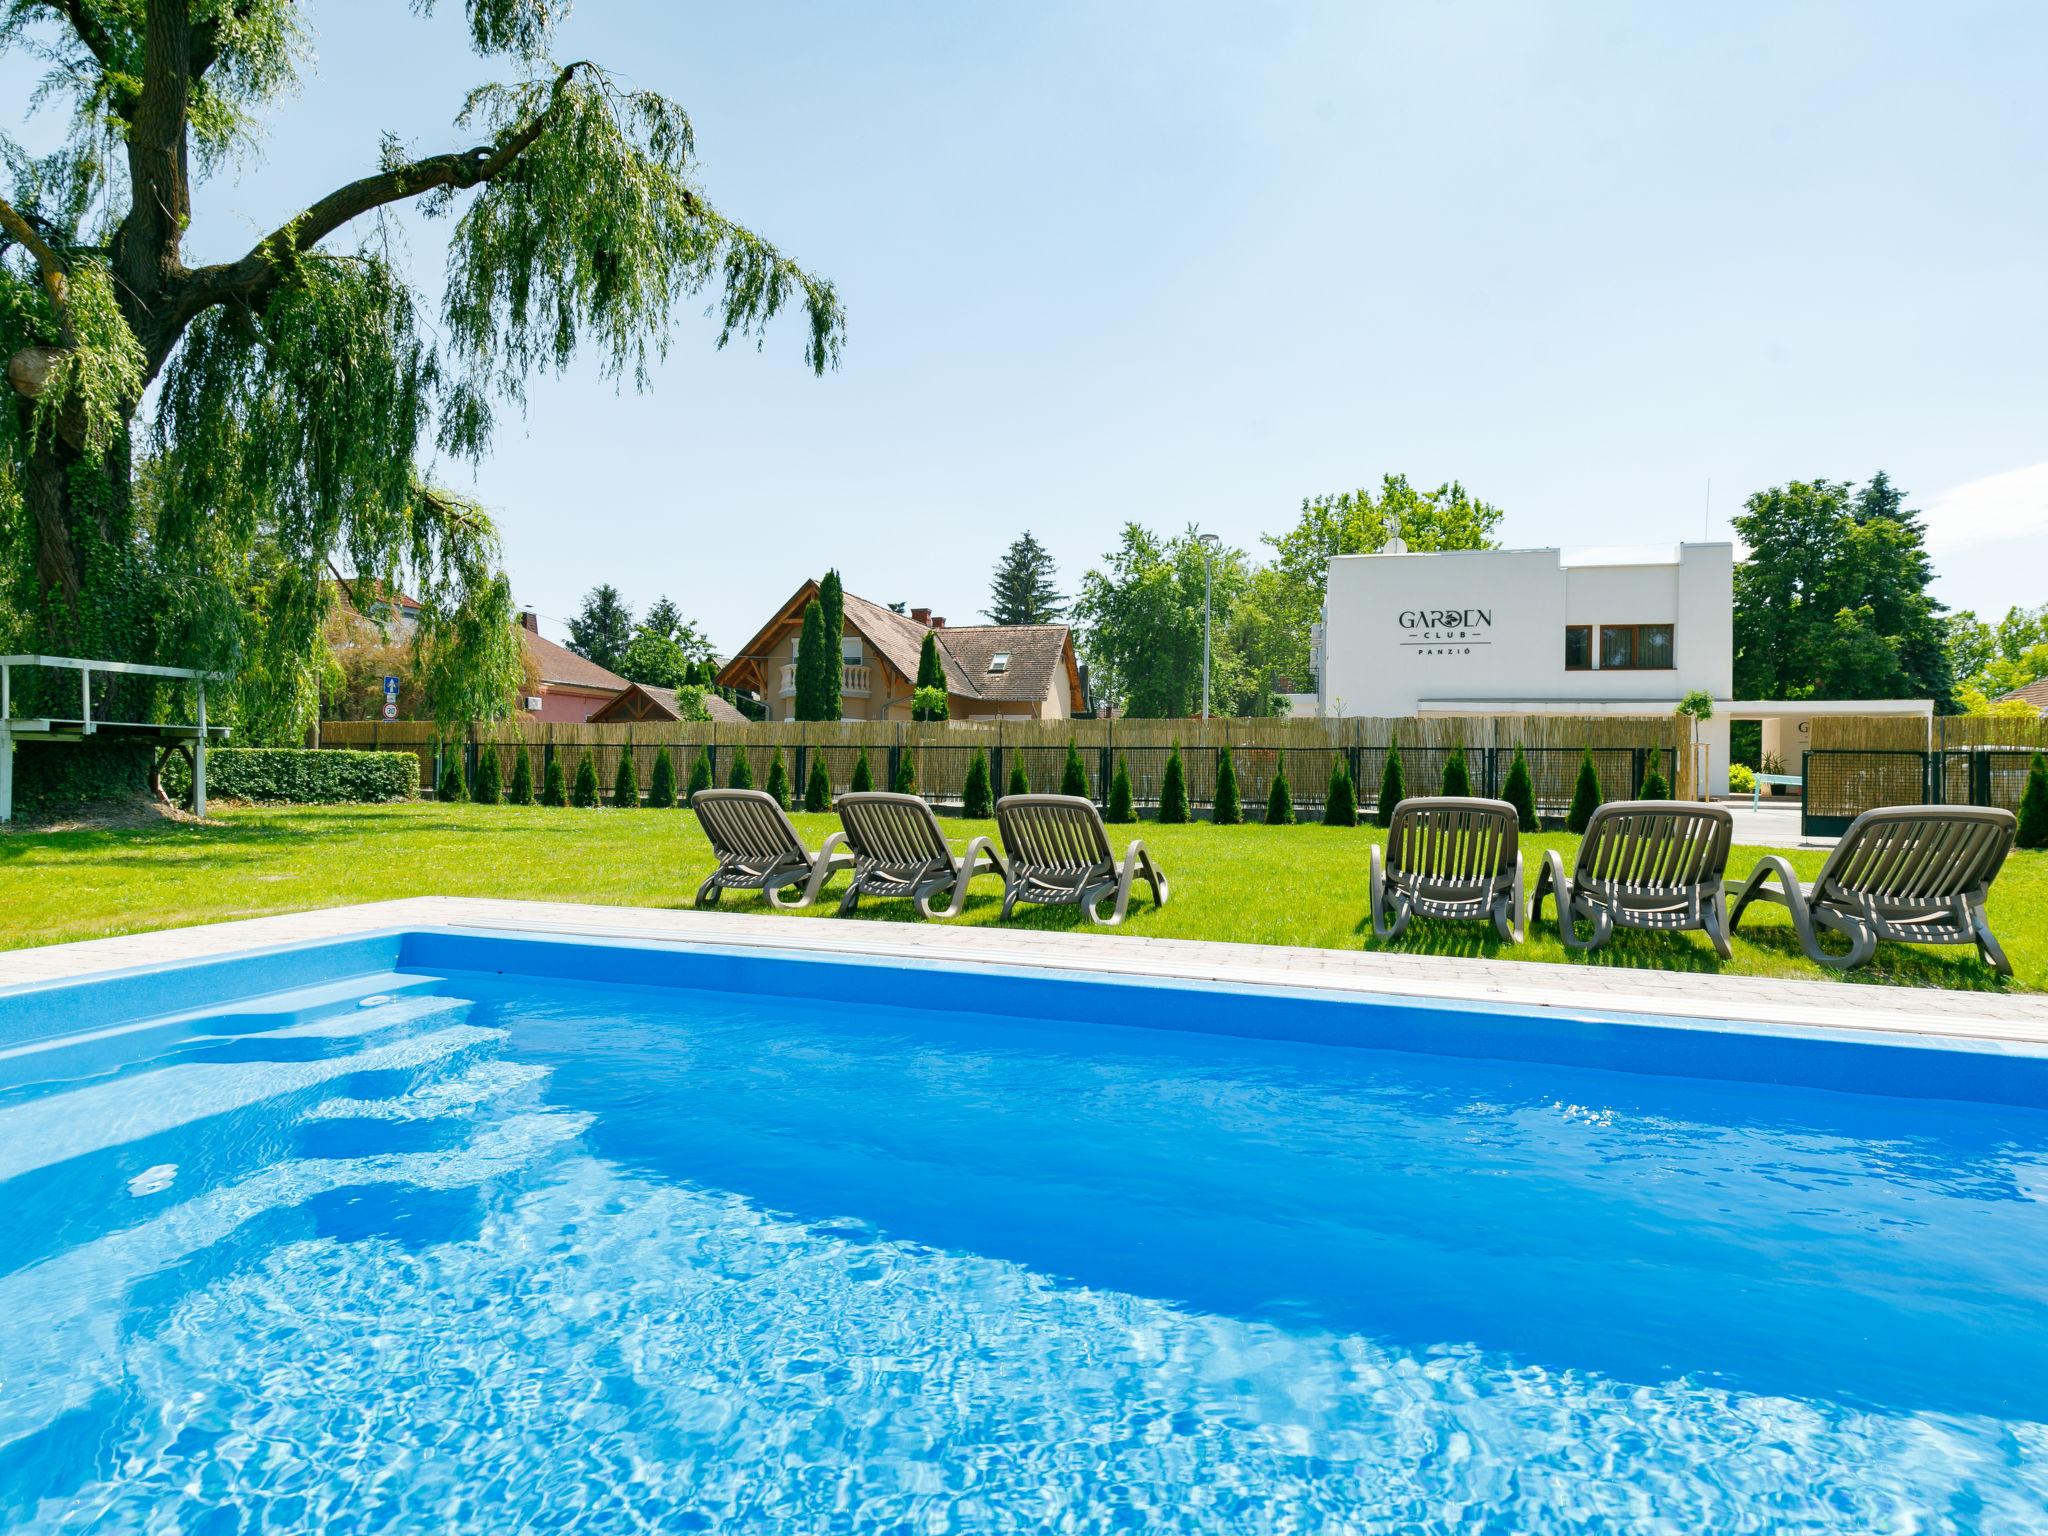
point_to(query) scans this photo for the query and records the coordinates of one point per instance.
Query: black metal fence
(1841, 782)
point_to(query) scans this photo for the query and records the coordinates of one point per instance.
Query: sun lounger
(1060, 856)
(1448, 856)
(1650, 864)
(758, 849)
(899, 850)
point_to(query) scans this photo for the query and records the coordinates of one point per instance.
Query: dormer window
(1000, 662)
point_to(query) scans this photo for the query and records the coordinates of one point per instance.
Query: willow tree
(304, 389)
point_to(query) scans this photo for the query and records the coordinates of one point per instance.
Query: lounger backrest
(746, 824)
(896, 831)
(1656, 845)
(1453, 840)
(1053, 831)
(1907, 853)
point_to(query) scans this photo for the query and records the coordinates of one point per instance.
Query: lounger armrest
(1551, 879)
(1769, 867)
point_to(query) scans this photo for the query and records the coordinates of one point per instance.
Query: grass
(1252, 884)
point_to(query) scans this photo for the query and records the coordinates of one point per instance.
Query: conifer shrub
(451, 787)
(522, 778)
(1280, 800)
(1173, 790)
(661, 784)
(818, 787)
(1457, 777)
(1655, 785)
(1228, 809)
(742, 774)
(1340, 796)
(554, 782)
(905, 781)
(863, 775)
(1020, 781)
(977, 796)
(626, 782)
(2034, 806)
(778, 780)
(1074, 776)
(490, 777)
(583, 789)
(700, 773)
(1393, 786)
(1585, 794)
(1520, 792)
(1122, 806)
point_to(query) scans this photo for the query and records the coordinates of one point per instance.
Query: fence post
(1636, 756)
(801, 780)
(469, 759)
(1104, 767)
(895, 761)
(1980, 776)
(998, 785)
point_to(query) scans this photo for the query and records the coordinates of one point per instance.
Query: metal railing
(69, 728)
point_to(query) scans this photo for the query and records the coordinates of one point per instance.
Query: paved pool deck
(2009, 1018)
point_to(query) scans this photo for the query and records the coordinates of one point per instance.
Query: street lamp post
(1209, 542)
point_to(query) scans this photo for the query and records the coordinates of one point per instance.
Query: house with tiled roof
(2035, 694)
(646, 701)
(993, 671)
(570, 688)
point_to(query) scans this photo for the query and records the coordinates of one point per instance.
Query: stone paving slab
(2019, 1019)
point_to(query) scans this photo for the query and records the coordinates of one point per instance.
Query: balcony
(853, 681)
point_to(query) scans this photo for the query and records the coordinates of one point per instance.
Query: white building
(1620, 631)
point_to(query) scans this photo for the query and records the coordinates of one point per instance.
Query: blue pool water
(468, 1241)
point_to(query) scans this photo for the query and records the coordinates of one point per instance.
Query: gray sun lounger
(759, 850)
(1917, 874)
(1060, 856)
(1448, 856)
(1657, 865)
(899, 850)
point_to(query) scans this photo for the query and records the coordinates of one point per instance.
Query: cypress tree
(1121, 806)
(554, 786)
(863, 775)
(832, 600)
(742, 775)
(1340, 797)
(661, 784)
(700, 773)
(2034, 806)
(1457, 777)
(1520, 792)
(1585, 795)
(1655, 785)
(1173, 790)
(778, 779)
(490, 777)
(818, 789)
(977, 799)
(522, 778)
(1020, 781)
(905, 782)
(1280, 800)
(1228, 810)
(583, 793)
(1074, 776)
(451, 787)
(930, 696)
(1393, 786)
(626, 782)
(810, 650)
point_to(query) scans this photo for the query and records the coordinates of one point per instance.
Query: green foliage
(741, 774)
(295, 776)
(1990, 661)
(451, 787)
(1228, 809)
(1025, 589)
(1655, 786)
(1457, 777)
(661, 783)
(1122, 807)
(554, 784)
(1393, 786)
(59, 781)
(1340, 795)
(929, 703)
(522, 777)
(863, 775)
(778, 779)
(977, 796)
(1280, 800)
(810, 660)
(1074, 773)
(2033, 831)
(700, 773)
(1173, 789)
(831, 660)
(1141, 618)
(626, 782)
(1519, 790)
(490, 777)
(818, 787)
(603, 628)
(1833, 600)
(905, 781)
(583, 790)
(1585, 795)
(1020, 781)
(931, 670)
(1741, 778)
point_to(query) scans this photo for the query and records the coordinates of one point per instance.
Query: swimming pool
(466, 1232)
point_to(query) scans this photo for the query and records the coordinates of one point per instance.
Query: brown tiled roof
(560, 667)
(1037, 655)
(666, 705)
(722, 711)
(2035, 693)
(901, 639)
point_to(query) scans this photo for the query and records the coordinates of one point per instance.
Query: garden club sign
(1446, 631)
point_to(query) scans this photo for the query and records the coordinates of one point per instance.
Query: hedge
(52, 779)
(297, 776)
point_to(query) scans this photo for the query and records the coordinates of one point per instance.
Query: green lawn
(1253, 884)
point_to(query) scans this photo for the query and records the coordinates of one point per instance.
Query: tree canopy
(1990, 660)
(1025, 589)
(1141, 618)
(305, 390)
(602, 627)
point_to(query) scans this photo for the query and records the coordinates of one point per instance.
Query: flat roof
(1568, 556)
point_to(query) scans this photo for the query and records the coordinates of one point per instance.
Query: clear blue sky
(1192, 262)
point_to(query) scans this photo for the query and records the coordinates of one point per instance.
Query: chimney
(937, 622)
(921, 616)
(529, 620)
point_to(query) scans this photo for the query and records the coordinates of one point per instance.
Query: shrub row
(295, 776)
